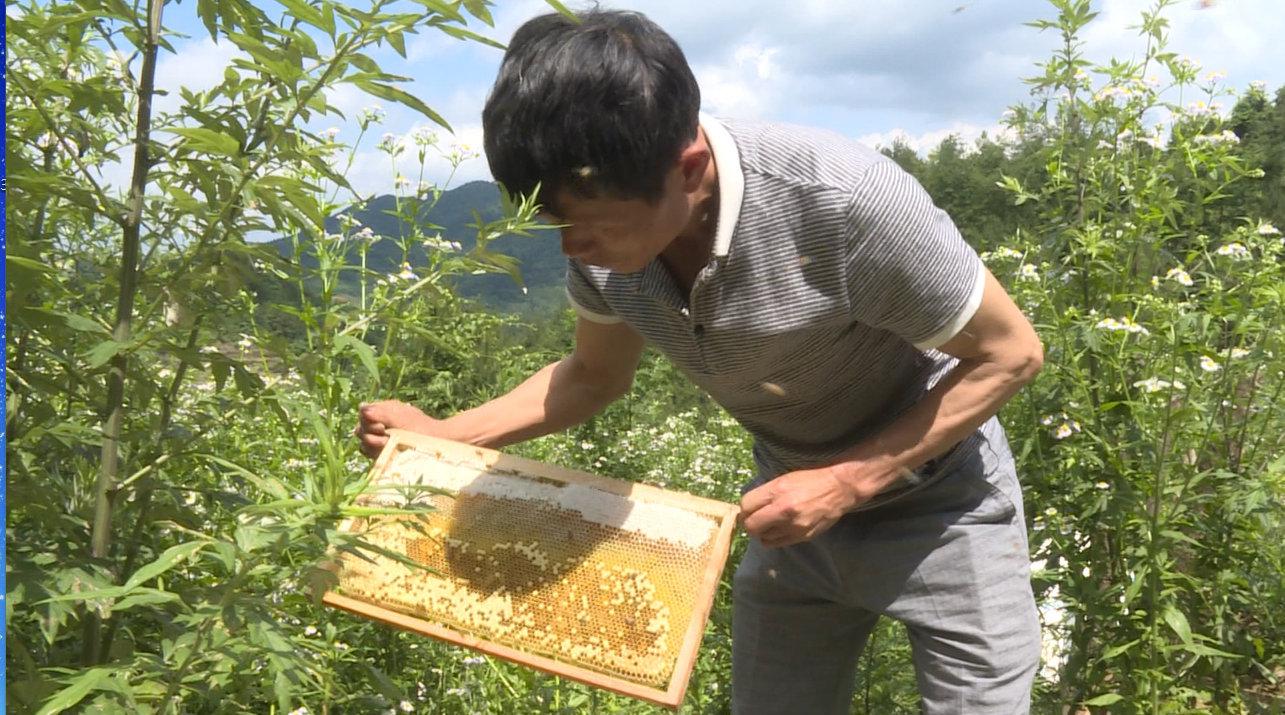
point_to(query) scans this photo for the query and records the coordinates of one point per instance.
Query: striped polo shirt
(833, 278)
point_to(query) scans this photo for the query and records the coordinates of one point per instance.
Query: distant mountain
(542, 264)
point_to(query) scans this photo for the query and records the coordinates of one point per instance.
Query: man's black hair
(599, 107)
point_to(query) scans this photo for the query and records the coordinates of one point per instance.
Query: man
(812, 288)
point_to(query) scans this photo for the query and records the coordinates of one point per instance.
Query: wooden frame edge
(686, 661)
(672, 696)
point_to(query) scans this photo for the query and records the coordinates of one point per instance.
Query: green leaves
(205, 473)
(272, 487)
(393, 94)
(1103, 700)
(166, 561)
(1178, 622)
(309, 14)
(163, 563)
(1139, 320)
(365, 354)
(103, 352)
(201, 139)
(1011, 184)
(562, 9)
(80, 686)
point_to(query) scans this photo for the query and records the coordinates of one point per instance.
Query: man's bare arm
(598, 371)
(998, 353)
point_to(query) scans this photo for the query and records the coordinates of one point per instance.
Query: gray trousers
(949, 560)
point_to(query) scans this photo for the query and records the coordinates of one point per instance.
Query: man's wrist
(456, 428)
(863, 480)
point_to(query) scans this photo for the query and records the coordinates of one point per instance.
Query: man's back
(800, 325)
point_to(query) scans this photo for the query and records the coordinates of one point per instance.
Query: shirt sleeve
(585, 299)
(909, 270)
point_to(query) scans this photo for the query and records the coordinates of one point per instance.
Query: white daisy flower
(371, 115)
(1066, 429)
(1179, 276)
(1153, 384)
(1234, 250)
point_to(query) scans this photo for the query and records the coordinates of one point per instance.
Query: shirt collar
(731, 182)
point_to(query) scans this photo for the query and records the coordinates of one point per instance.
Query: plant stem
(1154, 580)
(145, 498)
(105, 488)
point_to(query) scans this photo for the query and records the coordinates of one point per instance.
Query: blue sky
(875, 69)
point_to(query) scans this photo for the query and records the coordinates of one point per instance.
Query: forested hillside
(450, 215)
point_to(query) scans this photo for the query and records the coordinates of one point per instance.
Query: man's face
(622, 235)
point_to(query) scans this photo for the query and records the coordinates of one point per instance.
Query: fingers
(768, 514)
(763, 507)
(761, 522)
(757, 498)
(372, 444)
(372, 428)
(373, 417)
(783, 533)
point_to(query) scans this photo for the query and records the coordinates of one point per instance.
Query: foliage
(169, 529)
(1151, 443)
(448, 214)
(179, 397)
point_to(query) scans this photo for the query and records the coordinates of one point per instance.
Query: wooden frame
(490, 460)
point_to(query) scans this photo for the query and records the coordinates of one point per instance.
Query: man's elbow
(607, 386)
(1029, 361)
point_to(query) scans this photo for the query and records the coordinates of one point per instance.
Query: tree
(120, 425)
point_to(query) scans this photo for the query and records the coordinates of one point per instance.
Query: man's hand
(797, 506)
(374, 419)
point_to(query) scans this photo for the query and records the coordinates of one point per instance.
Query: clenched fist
(374, 419)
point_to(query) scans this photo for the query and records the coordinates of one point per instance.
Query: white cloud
(925, 142)
(923, 66)
(348, 99)
(874, 70)
(373, 171)
(1238, 37)
(758, 57)
(197, 65)
(745, 82)
(726, 92)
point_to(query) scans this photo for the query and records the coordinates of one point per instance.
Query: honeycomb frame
(619, 530)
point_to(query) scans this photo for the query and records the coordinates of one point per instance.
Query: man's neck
(690, 251)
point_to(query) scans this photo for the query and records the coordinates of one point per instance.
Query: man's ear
(693, 162)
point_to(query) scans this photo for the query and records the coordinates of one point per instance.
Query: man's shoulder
(801, 154)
